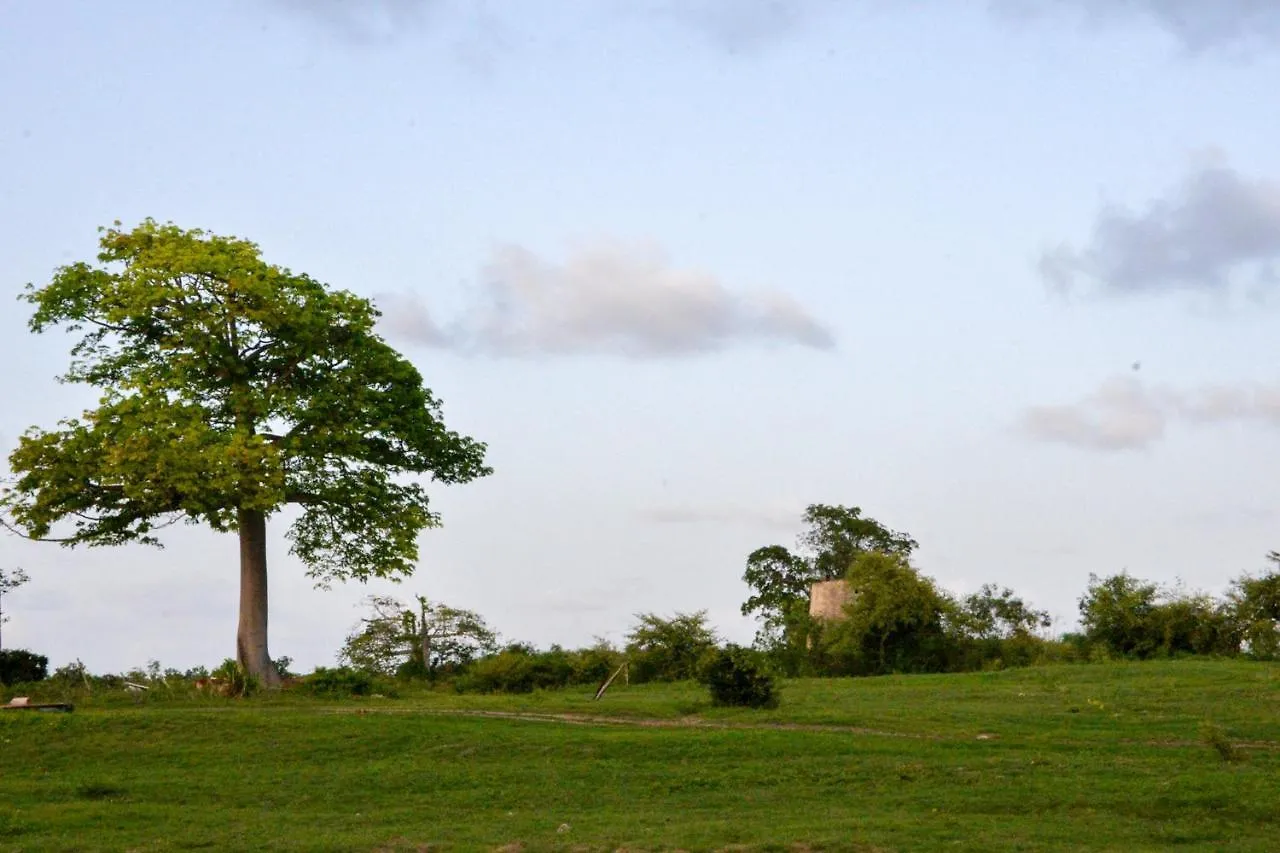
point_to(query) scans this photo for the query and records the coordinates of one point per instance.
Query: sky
(1000, 272)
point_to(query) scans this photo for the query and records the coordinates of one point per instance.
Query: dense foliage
(20, 666)
(738, 677)
(668, 649)
(430, 640)
(230, 388)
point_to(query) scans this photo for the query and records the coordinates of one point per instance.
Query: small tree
(895, 620)
(401, 640)
(669, 649)
(1116, 612)
(228, 389)
(9, 581)
(993, 613)
(1255, 605)
(738, 677)
(780, 579)
(1134, 618)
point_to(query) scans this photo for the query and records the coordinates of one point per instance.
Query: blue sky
(688, 267)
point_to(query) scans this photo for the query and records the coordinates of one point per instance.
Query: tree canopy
(231, 388)
(834, 536)
(397, 639)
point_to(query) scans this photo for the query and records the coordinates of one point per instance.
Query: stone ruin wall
(828, 598)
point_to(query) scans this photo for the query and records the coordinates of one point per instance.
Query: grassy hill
(1155, 756)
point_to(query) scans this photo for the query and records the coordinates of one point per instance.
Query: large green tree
(833, 537)
(230, 389)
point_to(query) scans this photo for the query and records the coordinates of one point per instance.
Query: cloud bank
(1197, 25)
(364, 22)
(607, 298)
(1213, 230)
(741, 26)
(1125, 413)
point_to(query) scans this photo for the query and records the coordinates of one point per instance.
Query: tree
(400, 640)
(1117, 612)
(669, 649)
(9, 581)
(1255, 605)
(780, 579)
(231, 389)
(896, 620)
(1133, 618)
(993, 613)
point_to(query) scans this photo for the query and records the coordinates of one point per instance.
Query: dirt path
(716, 725)
(635, 722)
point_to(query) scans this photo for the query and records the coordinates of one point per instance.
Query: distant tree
(895, 621)
(1255, 604)
(780, 579)
(993, 613)
(669, 649)
(1134, 618)
(1116, 612)
(10, 579)
(419, 640)
(230, 388)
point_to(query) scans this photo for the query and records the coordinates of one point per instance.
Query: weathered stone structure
(828, 598)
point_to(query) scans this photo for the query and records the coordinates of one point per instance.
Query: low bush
(237, 681)
(737, 677)
(21, 666)
(509, 671)
(668, 649)
(520, 669)
(340, 681)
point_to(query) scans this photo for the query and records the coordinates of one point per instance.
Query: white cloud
(1121, 415)
(615, 298)
(1127, 414)
(1213, 230)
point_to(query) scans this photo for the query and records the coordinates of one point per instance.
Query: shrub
(519, 668)
(1216, 738)
(1255, 605)
(20, 665)
(1136, 619)
(896, 621)
(238, 682)
(737, 677)
(510, 671)
(74, 674)
(340, 681)
(668, 649)
(594, 665)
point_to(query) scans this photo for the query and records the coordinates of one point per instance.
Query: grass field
(1177, 755)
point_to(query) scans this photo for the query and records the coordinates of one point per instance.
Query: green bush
(1131, 618)
(340, 681)
(737, 677)
(596, 664)
(510, 671)
(239, 682)
(20, 665)
(519, 668)
(668, 649)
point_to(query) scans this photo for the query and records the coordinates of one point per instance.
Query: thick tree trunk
(251, 638)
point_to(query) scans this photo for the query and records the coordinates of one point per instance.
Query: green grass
(1178, 755)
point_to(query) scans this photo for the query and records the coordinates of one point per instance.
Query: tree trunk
(251, 638)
